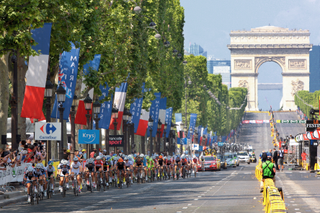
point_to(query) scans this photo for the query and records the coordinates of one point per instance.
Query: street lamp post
(125, 130)
(150, 124)
(165, 137)
(115, 123)
(61, 96)
(73, 126)
(96, 112)
(191, 137)
(87, 105)
(48, 95)
(159, 135)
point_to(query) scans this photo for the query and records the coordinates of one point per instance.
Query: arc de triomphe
(288, 48)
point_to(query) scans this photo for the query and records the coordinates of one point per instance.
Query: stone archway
(288, 48)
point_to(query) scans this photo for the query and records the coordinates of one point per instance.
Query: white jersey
(75, 167)
(52, 170)
(129, 163)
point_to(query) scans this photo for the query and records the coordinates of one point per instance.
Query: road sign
(48, 131)
(291, 121)
(195, 146)
(220, 143)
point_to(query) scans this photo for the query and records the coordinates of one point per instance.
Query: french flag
(37, 74)
(119, 101)
(143, 123)
(81, 111)
(162, 113)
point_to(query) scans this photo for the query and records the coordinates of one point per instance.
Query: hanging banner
(192, 125)
(68, 71)
(106, 108)
(199, 133)
(178, 117)
(168, 120)
(135, 110)
(162, 114)
(154, 114)
(89, 136)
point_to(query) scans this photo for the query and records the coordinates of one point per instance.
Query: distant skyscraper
(196, 50)
(222, 67)
(314, 61)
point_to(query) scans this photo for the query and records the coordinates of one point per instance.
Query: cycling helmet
(120, 160)
(165, 158)
(135, 155)
(64, 162)
(147, 157)
(38, 166)
(75, 159)
(126, 158)
(160, 157)
(90, 161)
(98, 158)
(103, 157)
(141, 155)
(30, 169)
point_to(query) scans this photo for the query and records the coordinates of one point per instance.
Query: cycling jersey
(29, 176)
(168, 162)
(50, 170)
(150, 163)
(177, 160)
(144, 162)
(184, 162)
(195, 160)
(98, 163)
(64, 169)
(90, 167)
(138, 162)
(129, 163)
(106, 164)
(75, 167)
(120, 165)
(160, 162)
(39, 172)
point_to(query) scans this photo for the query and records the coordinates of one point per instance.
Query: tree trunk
(4, 95)
(22, 69)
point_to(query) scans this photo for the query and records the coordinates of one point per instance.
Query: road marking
(184, 207)
(292, 201)
(179, 212)
(199, 196)
(189, 204)
(296, 209)
(196, 199)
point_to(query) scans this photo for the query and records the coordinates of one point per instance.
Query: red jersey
(98, 163)
(195, 160)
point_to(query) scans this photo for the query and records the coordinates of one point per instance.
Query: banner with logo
(154, 114)
(195, 147)
(106, 108)
(89, 136)
(178, 117)
(192, 125)
(14, 174)
(48, 131)
(115, 140)
(168, 120)
(68, 71)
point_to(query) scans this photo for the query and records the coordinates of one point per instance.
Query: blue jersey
(144, 161)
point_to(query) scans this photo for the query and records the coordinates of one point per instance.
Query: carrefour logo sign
(48, 131)
(89, 136)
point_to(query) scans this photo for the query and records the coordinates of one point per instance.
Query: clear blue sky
(209, 22)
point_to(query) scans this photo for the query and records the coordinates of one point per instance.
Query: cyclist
(160, 165)
(168, 162)
(202, 162)
(120, 166)
(90, 168)
(40, 175)
(50, 171)
(195, 164)
(129, 165)
(28, 178)
(106, 166)
(138, 163)
(177, 161)
(184, 163)
(63, 171)
(76, 170)
(98, 163)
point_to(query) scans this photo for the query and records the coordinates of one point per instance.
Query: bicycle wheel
(31, 195)
(38, 197)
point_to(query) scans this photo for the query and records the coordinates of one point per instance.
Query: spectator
(304, 156)
(22, 144)
(84, 154)
(275, 158)
(93, 153)
(280, 159)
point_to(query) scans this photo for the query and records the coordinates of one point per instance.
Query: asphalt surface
(230, 190)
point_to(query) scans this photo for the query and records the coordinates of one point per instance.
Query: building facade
(314, 61)
(222, 67)
(196, 49)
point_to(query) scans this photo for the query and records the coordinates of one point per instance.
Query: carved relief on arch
(260, 60)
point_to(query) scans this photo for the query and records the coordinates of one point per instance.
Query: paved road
(232, 190)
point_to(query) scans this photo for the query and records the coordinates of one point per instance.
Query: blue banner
(135, 110)
(199, 133)
(223, 138)
(89, 136)
(168, 120)
(192, 125)
(92, 65)
(68, 71)
(220, 143)
(154, 113)
(106, 108)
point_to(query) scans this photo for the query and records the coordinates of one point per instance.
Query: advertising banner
(115, 140)
(195, 146)
(88, 136)
(48, 131)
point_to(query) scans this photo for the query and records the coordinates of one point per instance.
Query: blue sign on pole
(89, 136)
(220, 143)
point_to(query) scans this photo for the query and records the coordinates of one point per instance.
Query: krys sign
(48, 131)
(89, 136)
(115, 140)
